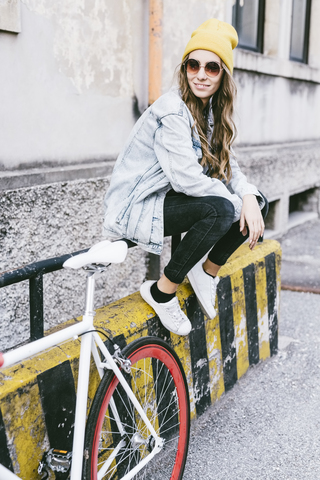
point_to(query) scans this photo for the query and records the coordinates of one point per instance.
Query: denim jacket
(162, 153)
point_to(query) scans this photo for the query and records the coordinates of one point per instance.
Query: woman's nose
(201, 74)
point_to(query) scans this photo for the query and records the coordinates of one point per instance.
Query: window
(300, 30)
(248, 20)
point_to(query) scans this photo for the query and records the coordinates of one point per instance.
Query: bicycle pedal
(55, 460)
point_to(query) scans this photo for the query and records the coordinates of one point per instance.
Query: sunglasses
(193, 66)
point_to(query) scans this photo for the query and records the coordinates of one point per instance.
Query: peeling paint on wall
(89, 47)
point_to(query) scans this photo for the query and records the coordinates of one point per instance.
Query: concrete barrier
(37, 397)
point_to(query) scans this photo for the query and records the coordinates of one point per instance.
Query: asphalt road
(268, 425)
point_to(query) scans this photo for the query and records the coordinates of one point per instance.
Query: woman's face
(201, 84)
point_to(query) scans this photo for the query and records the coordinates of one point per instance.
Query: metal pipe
(155, 49)
(36, 307)
(301, 288)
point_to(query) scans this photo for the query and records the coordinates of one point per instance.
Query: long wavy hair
(216, 154)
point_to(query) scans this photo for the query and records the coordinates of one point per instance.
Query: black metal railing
(34, 273)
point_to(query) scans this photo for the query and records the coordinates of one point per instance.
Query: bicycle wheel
(157, 378)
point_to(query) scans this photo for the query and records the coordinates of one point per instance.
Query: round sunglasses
(193, 66)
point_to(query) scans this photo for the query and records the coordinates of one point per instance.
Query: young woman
(177, 174)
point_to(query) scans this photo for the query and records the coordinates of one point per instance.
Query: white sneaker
(170, 313)
(205, 288)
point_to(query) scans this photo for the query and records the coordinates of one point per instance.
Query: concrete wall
(74, 81)
(76, 76)
(47, 221)
(290, 174)
(278, 119)
(275, 109)
(70, 80)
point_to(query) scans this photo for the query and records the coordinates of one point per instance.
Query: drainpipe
(155, 84)
(155, 49)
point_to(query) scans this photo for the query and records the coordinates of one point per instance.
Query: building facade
(77, 74)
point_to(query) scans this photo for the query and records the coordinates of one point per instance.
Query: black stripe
(227, 333)
(199, 356)
(58, 399)
(157, 329)
(249, 280)
(119, 340)
(4, 451)
(272, 301)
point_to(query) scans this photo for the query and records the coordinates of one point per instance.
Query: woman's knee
(221, 214)
(223, 210)
(221, 207)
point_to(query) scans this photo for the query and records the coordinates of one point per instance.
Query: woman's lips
(201, 85)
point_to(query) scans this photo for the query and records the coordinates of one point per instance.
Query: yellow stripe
(24, 423)
(243, 256)
(240, 324)
(278, 275)
(182, 348)
(262, 310)
(212, 327)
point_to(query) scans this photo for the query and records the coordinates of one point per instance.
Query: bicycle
(139, 421)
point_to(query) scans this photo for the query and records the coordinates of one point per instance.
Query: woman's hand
(251, 217)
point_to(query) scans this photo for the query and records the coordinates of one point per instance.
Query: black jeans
(208, 222)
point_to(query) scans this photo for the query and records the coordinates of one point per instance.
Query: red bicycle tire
(140, 350)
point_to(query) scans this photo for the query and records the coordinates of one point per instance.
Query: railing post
(36, 307)
(153, 269)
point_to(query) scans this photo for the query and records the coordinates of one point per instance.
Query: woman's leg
(203, 276)
(229, 243)
(205, 220)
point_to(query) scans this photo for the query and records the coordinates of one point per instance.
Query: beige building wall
(70, 80)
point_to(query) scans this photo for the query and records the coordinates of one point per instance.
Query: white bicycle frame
(90, 342)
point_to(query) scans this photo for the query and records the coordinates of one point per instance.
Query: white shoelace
(214, 284)
(174, 311)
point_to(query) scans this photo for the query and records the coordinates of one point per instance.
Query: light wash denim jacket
(161, 153)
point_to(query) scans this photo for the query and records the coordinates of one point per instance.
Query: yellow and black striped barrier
(37, 397)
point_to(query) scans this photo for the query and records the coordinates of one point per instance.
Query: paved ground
(301, 255)
(268, 426)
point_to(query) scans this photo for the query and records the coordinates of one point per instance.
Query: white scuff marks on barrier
(240, 335)
(201, 363)
(230, 357)
(215, 367)
(214, 354)
(263, 325)
(89, 47)
(274, 315)
(200, 390)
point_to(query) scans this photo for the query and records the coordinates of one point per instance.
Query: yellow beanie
(217, 37)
